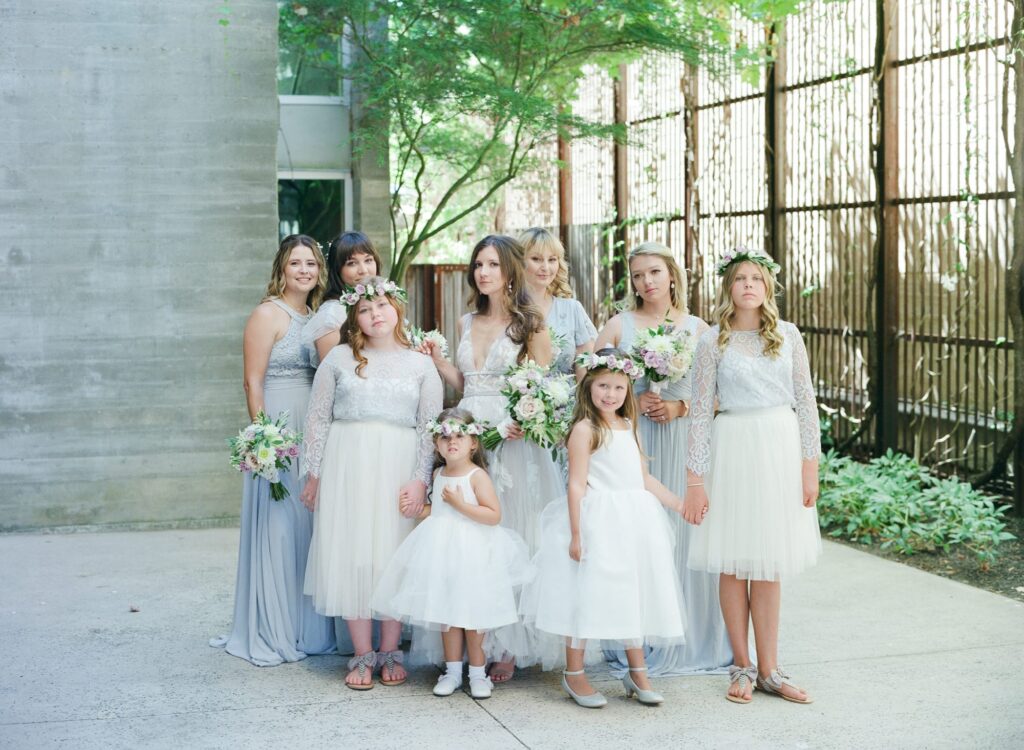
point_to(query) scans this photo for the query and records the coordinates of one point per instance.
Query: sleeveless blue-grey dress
(274, 621)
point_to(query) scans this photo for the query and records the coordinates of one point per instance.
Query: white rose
(529, 408)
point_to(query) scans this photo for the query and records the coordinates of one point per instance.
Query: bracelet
(698, 484)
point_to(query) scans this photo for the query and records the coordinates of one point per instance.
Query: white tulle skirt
(757, 527)
(622, 594)
(454, 572)
(357, 525)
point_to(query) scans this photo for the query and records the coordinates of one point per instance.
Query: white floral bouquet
(266, 448)
(664, 353)
(539, 401)
(417, 337)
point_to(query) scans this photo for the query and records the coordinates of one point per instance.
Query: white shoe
(447, 684)
(480, 687)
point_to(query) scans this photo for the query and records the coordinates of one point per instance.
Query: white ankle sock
(477, 673)
(454, 669)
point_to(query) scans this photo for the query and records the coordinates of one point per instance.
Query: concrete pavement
(895, 657)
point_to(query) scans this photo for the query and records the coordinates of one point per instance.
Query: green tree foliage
(465, 90)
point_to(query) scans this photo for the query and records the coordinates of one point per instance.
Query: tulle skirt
(273, 621)
(454, 572)
(357, 525)
(622, 594)
(757, 527)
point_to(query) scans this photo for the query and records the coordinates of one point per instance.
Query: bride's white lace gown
(364, 438)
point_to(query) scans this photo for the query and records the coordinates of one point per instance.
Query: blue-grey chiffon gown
(707, 649)
(274, 621)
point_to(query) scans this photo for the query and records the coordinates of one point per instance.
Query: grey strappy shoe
(772, 684)
(387, 660)
(365, 663)
(745, 676)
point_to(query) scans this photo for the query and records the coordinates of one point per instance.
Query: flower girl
(605, 567)
(753, 469)
(457, 571)
(370, 395)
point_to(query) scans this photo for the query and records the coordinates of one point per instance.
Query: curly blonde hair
(353, 335)
(677, 274)
(284, 253)
(543, 241)
(725, 309)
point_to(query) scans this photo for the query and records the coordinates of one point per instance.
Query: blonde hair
(542, 240)
(477, 454)
(677, 275)
(725, 309)
(353, 335)
(585, 408)
(284, 253)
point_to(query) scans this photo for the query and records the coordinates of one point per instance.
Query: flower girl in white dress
(605, 567)
(458, 570)
(752, 479)
(364, 438)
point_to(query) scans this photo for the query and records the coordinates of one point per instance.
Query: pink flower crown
(353, 294)
(625, 365)
(740, 254)
(450, 427)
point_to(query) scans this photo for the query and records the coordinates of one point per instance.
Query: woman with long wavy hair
(504, 329)
(273, 621)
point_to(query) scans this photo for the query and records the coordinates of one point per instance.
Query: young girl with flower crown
(365, 446)
(605, 565)
(457, 572)
(752, 479)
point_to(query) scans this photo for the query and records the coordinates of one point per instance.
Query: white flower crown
(625, 365)
(740, 254)
(450, 427)
(353, 294)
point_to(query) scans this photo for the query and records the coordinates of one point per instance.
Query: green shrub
(895, 502)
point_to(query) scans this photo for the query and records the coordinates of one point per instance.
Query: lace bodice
(288, 360)
(327, 319)
(400, 387)
(742, 377)
(615, 466)
(481, 391)
(569, 320)
(682, 389)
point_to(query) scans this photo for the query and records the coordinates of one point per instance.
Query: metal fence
(872, 161)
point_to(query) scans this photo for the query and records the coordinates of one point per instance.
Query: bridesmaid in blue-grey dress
(547, 280)
(273, 621)
(658, 293)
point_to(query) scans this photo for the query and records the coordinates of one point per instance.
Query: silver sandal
(772, 684)
(367, 661)
(387, 660)
(745, 676)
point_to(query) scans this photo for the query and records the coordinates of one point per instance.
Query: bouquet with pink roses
(266, 448)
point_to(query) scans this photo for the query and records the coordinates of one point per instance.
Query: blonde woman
(752, 480)
(659, 295)
(273, 621)
(547, 280)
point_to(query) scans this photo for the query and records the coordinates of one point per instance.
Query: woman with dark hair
(350, 257)
(273, 621)
(505, 329)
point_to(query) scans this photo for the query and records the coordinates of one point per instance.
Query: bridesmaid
(505, 329)
(547, 281)
(350, 257)
(273, 621)
(658, 295)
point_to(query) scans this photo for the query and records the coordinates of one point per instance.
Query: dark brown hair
(343, 247)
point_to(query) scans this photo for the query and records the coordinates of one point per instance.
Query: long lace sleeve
(319, 417)
(702, 405)
(430, 405)
(805, 404)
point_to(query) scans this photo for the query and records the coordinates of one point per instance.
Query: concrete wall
(137, 224)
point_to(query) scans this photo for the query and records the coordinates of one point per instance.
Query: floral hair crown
(740, 254)
(625, 365)
(353, 294)
(450, 427)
